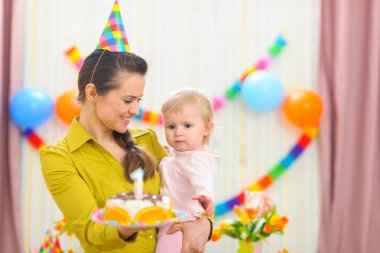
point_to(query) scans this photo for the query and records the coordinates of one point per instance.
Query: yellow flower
(243, 217)
(224, 223)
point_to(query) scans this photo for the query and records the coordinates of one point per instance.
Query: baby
(188, 175)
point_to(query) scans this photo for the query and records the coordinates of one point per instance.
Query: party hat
(47, 243)
(56, 248)
(113, 37)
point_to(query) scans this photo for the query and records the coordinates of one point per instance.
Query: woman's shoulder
(140, 136)
(147, 137)
(60, 145)
(60, 148)
(138, 132)
(51, 155)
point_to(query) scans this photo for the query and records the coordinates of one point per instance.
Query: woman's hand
(206, 202)
(169, 150)
(127, 234)
(195, 234)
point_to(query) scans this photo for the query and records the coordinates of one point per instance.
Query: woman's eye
(128, 101)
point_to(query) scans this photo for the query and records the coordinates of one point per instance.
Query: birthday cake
(127, 208)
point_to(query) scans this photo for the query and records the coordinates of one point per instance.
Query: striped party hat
(113, 37)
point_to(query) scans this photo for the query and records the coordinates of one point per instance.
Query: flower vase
(250, 247)
(258, 247)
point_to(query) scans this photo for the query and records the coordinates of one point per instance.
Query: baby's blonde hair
(188, 96)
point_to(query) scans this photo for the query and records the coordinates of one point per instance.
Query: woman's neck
(89, 120)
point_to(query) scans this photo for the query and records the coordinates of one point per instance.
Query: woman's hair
(187, 96)
(102, 69)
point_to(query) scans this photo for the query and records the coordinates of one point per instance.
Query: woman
(94, 160)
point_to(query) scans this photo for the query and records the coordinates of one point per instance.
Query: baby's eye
(187, 125)
(171, 126)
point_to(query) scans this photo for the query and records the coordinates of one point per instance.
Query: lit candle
(137, 176)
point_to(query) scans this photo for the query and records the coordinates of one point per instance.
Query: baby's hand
(206, 202)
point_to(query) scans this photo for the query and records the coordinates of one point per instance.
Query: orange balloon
(303, 108)
(66, 108)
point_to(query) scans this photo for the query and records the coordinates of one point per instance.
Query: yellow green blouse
(80, 175)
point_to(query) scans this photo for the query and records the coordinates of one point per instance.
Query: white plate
(97, 216)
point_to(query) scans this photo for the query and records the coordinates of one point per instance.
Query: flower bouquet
(256, 221)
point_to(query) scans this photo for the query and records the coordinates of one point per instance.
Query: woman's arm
(195, 234)
(76, 201)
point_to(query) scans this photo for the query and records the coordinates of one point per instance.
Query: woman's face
(118, 106)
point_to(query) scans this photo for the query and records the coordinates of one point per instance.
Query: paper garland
(265, 181)
(73, 54)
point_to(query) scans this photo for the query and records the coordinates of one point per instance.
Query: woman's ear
(90, 92)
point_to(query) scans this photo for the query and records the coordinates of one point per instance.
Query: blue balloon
(262, 91)
(30, 107)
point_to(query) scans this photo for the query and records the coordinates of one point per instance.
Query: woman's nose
(134, 109)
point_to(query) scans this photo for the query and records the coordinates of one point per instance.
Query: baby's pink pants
(168, 243)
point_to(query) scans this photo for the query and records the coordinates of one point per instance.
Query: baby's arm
(201, 172)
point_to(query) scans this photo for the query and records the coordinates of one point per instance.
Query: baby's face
(185, 130)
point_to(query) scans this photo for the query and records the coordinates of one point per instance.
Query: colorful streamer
(34, 139)
(265, 181)
(75, 57)
(262, 64)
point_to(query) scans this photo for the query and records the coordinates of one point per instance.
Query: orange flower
(58, 227)
(283, 251)
(63, 227)
(284, 221)
(241, 214)
(216, 234)
(267, 228)
(252, 213)
(278, 222)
